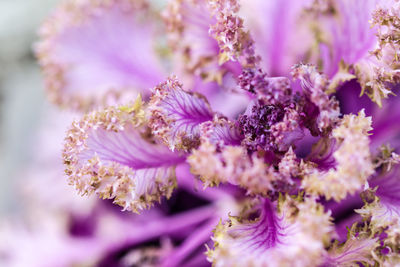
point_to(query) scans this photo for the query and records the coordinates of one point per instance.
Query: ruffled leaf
(234, 41)
(276, 25)
(353, 161)
(315, 86)
(357, 249)
(96, 52)
(272, 90)
(383, 209)
(176, 114)
(195, 51)
(111, 153)
(221, 132)
(359, 50)
(352, 36)
(292, 235)
(219, 159)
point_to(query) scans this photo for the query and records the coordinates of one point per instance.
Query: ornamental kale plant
(243, 133)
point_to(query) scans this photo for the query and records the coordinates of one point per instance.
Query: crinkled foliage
(300, 159)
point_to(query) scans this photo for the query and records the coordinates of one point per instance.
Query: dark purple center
(256, 127)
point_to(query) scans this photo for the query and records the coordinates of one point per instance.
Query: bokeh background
(22, 99)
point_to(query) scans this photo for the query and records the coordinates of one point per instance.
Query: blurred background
(22, 99)
(43, 220)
